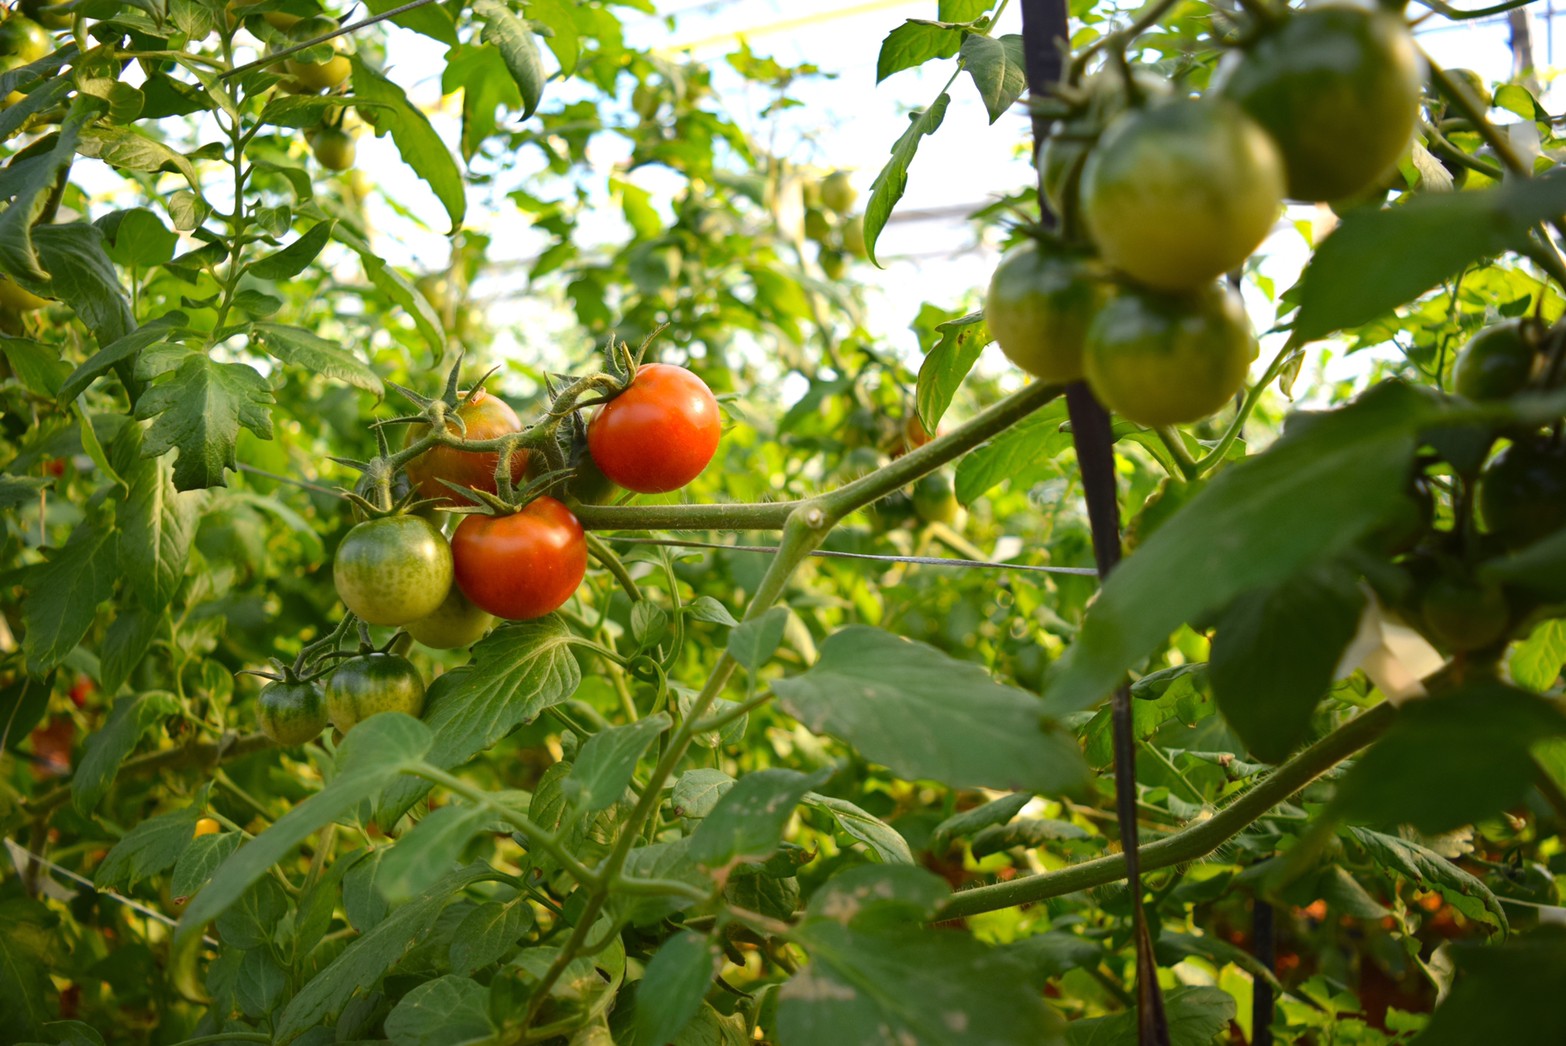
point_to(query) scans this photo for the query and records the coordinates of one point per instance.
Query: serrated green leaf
(1174, 693)
(157, 523)
(1430, 871)
(200, 859)
(1023, 455)
(892, 182)
(883, 840)
(429, 849)
(64, 593)
(891, 698)
(125, 348)
(607, 761)
(995, 64)
(421, 148)
(373, 754)
(752, 643)
(947, 364)
(302, 348)
(488, 933)
(150, 848)
(517, 47)
(198, 410)
(965, 824)
(697, 791)
(30, 194)
(912, 44)
(747, 823)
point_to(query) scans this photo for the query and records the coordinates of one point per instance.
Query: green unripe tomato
(645, 100)
(838, 192)
(833, 264)
(1522, 493)
(456, 624)
(372, 683)
(1496, 363)
(1064, 153)
(818, 226)
(321, 76)
(1463, 615)
(1040, 303)
(25, 39)
(1338, 88)
(41, 11)
(935, 498)
(334, 148)
(292, 713)
(1177, 195)
(1165, 359)
(393, 570)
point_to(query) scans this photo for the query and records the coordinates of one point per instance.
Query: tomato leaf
(752, 643)
(1504, 994)
(672, 989)
(150, 848)
(199, 409)
(1535, 663)
(432, 20)
(1450, 760)
(965, 824)
(391, 283)
(1196, 1016)
(290, 261)
(157, 523)
(873, 977)
(367, 958)
(1178, 693)
(892, 182)
(488, 933)
(996, 68)
(29, 946)
(912, 44)
(29, 189)
(697, 791)
(515, 41)
(125, 348)
(373, 754)
(304, 349)
(1379, 259)
(1024, 454)
(892, 700)
(516, 672)
(1275, 654)
(421, 148)
(64, 593)
(428, 850)
(883, 840)
(606, 762)
(946, 365)
(1328, 480)
(747, 823)
(1430, 871)
(82, 276)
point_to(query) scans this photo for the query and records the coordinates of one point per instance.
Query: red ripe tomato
(524, 565)
(659, 433)
(485, 417)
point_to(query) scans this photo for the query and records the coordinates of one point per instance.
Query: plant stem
(201, 753)
(1195, 841)
(1247, 405)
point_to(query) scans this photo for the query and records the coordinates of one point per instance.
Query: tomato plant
(1164, 678)
(393, 570)
(370, 684)
(334, 148)
(658, 433)
(521, 565)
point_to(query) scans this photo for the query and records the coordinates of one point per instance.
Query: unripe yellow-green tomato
(1039, 306)
(334, 148)
(838, 192)
(454, 625)
(321, 76)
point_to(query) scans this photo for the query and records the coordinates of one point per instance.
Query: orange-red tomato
(523, 565)
(659, 433)
(483, 417)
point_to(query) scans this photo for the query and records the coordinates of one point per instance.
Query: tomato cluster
(1160, 194)
(398, 569)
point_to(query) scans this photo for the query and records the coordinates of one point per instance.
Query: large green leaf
(516, 672)
(63, 594)
(290, 261)
(150, 848)
(489, 932)
(1275, 653)
(1380, 258)
(28, 950)
(1451, 760)
(924, 714)
(199, 409)
(1024, 454)
(429, 849)
(517, 47)
(875, 980)
(1330, 479)
(103, 752)
(81, 275)
(1430, 871)
(1509, 993)
(912, 44)
(672, 989)
(157, 523)
(447, 1011)
(29, 186)
(421, 148)
(882, 839)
